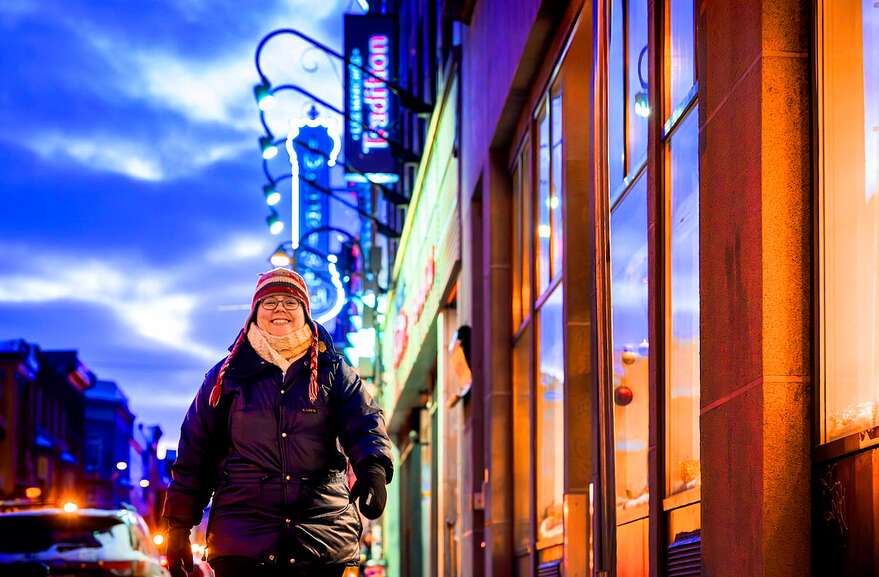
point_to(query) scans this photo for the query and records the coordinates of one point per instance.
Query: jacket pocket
(329, 538)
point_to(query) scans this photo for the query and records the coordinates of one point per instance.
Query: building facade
(109, 446)
(43, 420)
(668, 224)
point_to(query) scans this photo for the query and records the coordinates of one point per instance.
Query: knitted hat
(279, 281)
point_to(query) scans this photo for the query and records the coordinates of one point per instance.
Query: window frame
(671, 119)
(825, 448)
(525, 164)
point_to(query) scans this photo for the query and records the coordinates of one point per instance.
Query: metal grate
(684, 558)
(550, 569)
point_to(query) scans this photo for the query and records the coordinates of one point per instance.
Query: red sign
(401, 338)
(404, 322)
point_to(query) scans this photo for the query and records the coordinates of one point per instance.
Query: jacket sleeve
(194, 472)
(363, 433)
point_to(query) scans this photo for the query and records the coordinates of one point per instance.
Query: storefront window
(544, 226)
(682, 388)
(637, 62)
(849, 216)
(627, 92)
(524, 216)
(557, 188)
(549, 396)
(631, 397)
(522, 432)
(616, 99)
(518, 231)
(681, 66)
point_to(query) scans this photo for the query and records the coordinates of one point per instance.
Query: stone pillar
(755, 279)
(497, 392)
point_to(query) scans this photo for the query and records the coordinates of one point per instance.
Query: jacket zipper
(284, 479)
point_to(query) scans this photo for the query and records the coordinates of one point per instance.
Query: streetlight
(407, 99)
(381, 227)
(268, 148)
(121, 465)
(263, 94)
(276, 225)
(280, 258)
(271, 194)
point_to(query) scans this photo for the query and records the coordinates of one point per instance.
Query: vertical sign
(371, 107)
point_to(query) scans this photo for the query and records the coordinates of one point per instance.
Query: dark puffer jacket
(271, 459)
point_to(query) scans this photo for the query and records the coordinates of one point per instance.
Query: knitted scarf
(280, 351)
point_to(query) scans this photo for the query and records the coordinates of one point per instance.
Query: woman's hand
(370, 488)
(179, 552)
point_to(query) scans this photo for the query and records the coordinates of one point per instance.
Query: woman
(264, 435)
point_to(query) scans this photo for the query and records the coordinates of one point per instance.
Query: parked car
(80, 543)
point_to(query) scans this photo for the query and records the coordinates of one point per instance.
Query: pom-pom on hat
(279, 281)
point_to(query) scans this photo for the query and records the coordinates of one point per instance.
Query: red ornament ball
(623, 395)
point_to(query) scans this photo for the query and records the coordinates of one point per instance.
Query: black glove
(370, 488)
(179, 552)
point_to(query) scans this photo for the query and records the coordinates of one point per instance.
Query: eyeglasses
(289, 304)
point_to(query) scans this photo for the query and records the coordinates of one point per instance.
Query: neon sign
(405, 321)
(371, 107)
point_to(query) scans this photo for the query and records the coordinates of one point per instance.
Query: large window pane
(616, 98)
(522, 370)
(682, 389)
(518, 231)
(682, 69)
(850, 218)
(637, 61)
(628, 236)
(525, 164)
(557, 190)
(544, 227)
(550, 398)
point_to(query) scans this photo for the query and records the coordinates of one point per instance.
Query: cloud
(240, 248)
(114, 156)
(132, 157)
(144, 300)
(212, 91)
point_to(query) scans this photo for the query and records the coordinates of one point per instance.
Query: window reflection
(616, 104)
(850, 218)
(557, 189)
(517, 247)
(630, 348)
(682, 389)
(681, 48)
(549, 397)
(526, 218)
(637, 63)
(544, 228)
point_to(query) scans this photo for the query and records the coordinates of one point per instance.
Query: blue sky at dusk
(132, 217)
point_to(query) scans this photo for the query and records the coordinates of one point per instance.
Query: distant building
(148, 483)
(41, 421)
(108, 446)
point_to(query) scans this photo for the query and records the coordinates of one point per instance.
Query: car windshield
(34, 533)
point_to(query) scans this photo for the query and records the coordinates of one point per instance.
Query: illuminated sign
(313, 145)
(371, 107)
(405, 321)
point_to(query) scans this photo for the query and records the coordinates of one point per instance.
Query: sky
(132, 224)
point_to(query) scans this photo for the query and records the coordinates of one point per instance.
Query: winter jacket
(271, 457)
